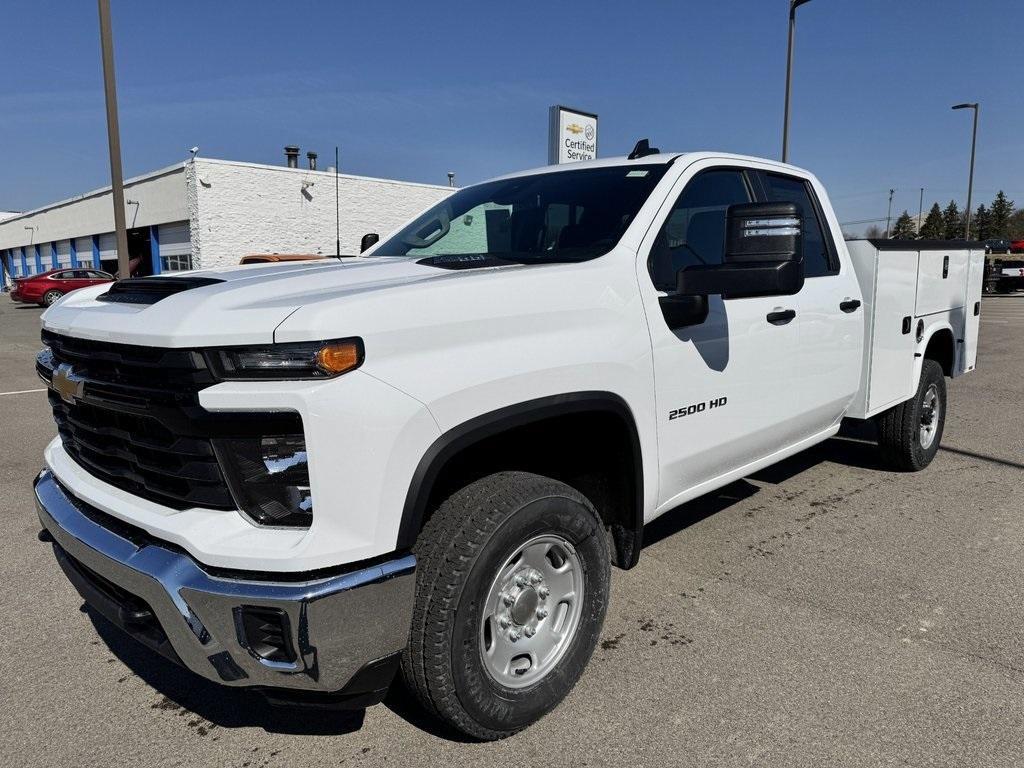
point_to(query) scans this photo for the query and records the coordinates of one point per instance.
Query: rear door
(830, 312)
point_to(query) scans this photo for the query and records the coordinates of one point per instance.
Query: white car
(303, 477)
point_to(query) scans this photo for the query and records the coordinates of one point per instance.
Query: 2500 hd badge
(689, 410)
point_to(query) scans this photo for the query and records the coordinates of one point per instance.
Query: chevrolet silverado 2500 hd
(304, 477)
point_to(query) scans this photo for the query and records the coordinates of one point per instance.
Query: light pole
(888, 216)
(970, 177)
(113, 138)
(793, 5)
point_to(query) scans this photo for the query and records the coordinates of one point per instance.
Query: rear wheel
(909, 434)
(50, 297)
(512, 585)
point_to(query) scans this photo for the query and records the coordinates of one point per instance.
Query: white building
(207, 212)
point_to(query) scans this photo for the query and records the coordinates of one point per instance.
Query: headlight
(304, 360)
(268, 478)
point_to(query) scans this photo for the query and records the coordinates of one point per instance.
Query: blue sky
(411, 90)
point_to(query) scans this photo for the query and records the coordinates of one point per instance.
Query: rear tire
(493, 532)
(909, 433)
(50, 298)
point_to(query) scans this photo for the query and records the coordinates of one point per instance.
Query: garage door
(64, 253)
(83, 249)
(175, 247)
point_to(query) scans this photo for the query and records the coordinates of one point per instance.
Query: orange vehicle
(264, 258)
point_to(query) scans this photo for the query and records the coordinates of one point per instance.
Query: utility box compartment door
(891, 376)
(972, 311)
(942, 281)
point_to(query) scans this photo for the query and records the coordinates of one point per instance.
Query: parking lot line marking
(22, 391)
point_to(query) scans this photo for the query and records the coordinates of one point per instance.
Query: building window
(176, 262)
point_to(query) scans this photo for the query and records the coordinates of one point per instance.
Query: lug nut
(504, 622)
(514, 635)
(520, 581)
(507, 599)
(530, 631)
(535, 579)
(542, 613)
(543, 592)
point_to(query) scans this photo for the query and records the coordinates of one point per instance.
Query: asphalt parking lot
(824, 612)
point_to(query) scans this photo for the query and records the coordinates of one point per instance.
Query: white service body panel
(908, 289)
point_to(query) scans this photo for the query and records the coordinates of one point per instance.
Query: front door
(723, 388)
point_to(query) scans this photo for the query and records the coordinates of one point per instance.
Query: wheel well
(594, 450)
(942, 350)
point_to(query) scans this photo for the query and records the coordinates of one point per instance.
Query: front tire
(511, 589)
(50, 298)
(909, 433)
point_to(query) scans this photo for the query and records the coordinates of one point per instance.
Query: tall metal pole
(113, 138)
(970, 176)
(793, 5)
(920, 212)
(337, 209)
(888, 216)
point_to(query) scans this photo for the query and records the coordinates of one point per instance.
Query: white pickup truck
(304, 477)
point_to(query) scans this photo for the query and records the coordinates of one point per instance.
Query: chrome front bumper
(344, 630)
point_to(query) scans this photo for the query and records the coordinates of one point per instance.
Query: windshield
(559, 216)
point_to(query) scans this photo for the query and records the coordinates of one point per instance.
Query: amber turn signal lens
(338, 358)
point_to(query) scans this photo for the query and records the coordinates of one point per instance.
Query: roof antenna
(642, 149)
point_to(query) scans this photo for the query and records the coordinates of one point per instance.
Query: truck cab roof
(661, 158)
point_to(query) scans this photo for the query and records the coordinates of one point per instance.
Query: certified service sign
(572, 135)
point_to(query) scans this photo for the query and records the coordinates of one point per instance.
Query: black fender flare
(495, 422)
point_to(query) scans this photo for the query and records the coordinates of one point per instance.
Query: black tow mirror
(760, 232)
(763, 255)
(369, 240)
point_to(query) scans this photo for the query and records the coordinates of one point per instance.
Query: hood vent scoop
(150, 290)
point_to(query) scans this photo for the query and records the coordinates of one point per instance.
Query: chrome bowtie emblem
(66, 383)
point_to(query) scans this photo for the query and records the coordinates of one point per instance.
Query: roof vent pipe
(291, 154)
(311, 156)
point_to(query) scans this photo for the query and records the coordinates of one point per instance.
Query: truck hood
(244, 306)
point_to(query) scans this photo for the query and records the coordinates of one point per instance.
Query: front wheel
(511, 589)
(909, 433)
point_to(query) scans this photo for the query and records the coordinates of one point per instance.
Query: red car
(1017, 246)
(46, 287)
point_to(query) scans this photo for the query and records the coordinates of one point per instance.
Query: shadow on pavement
(222, 706)
(854, 446)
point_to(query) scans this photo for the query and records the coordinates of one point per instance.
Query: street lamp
(970, 177)
(793, 5)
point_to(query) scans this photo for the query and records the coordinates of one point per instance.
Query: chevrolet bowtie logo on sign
(574, 128)
(66, 383)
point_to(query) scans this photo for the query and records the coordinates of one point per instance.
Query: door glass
(786, 189)
(694, 232)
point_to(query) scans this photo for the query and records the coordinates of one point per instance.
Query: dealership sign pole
(572, 135)
(113, 138)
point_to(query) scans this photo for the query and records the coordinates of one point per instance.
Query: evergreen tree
(980, 224)
(933, 228)
(952, 226)
(1015, 230)
(904, 228)
(999, 214)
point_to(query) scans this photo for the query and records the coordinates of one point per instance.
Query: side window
(817, 261)
(694, 232)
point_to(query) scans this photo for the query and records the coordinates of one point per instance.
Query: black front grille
(136, 422)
